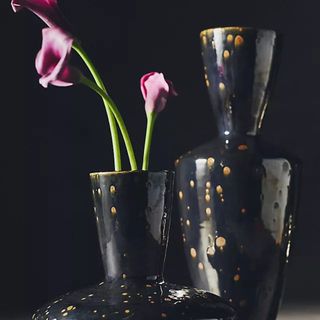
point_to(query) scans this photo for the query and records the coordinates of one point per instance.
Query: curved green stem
(111, 105)
(151, 118)
(112, 123)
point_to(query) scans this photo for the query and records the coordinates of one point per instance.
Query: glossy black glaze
(133, 216)
(237, 202)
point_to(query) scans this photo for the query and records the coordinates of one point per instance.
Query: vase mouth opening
(235, 29)
(128, 172)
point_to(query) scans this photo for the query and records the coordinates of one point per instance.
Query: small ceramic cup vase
(133, 212)
(237, 194)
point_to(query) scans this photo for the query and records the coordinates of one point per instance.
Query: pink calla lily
(52, 61)
(47, 10)
(156, 90)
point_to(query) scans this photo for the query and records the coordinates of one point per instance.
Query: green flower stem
(111, 105)
(151, 118)
(112, 122)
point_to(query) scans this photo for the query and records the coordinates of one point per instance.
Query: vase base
(139, 300)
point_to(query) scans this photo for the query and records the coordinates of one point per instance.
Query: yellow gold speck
(210, 162)
(226, 171)
(113, 211)
(180, 195)
(221, 242)
(229, 38)
(200, 266)
(219, 189)
(193, 252)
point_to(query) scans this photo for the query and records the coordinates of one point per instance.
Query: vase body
(133, 211)
(237, 196)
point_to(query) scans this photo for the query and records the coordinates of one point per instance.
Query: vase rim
(240, 28)
(128, 172)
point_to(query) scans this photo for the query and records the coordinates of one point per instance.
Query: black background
(51, 139)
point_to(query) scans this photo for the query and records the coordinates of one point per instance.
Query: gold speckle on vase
(222, 86)
(221, 242)
(226, 171)
(208, 212)
(188, 223)
(200, 266)
(208, 184)
(193, 253)
(243, 210)
(99, 192)
(229, 38)
(210, 162)
(236, 278)
(242, 147)
(112, 189)
(207, 197)
(192, 184)
(113, 211)
(177, 162)
(163, 315)
(207, 83)
(127, 311)
(238, 41)
(180, 195)
(226, 54)
(219, 189)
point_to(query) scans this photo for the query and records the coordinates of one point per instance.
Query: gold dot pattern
(200, 266)
(236, 278)
(193, 253)
(229, 38)
(208, 184)
(207, 197)
(221, 242)
(242, 147)
(222, 86)
(192, 184)
(226, 171)
(112, 189)
(226, 54)
(188, 223)
(113, 211)
(180, 195)
(219, 189)
(238, 41)
(208, 212)
(210, 162)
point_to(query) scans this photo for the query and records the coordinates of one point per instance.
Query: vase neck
(239, 66)
(133, 217)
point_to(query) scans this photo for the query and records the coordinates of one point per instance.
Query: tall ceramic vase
(133, 211)
(237, 201)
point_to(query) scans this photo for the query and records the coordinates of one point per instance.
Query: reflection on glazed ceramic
(236, 195)
(133, 212)
(236, 227)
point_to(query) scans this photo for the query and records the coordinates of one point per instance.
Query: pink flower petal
(156, 90)
(47, 10)
(52, 61)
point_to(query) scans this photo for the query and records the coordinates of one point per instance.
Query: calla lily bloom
(52, 61)
(47, 10)
(156, 90)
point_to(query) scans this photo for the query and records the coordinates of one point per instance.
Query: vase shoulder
(138, 300)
